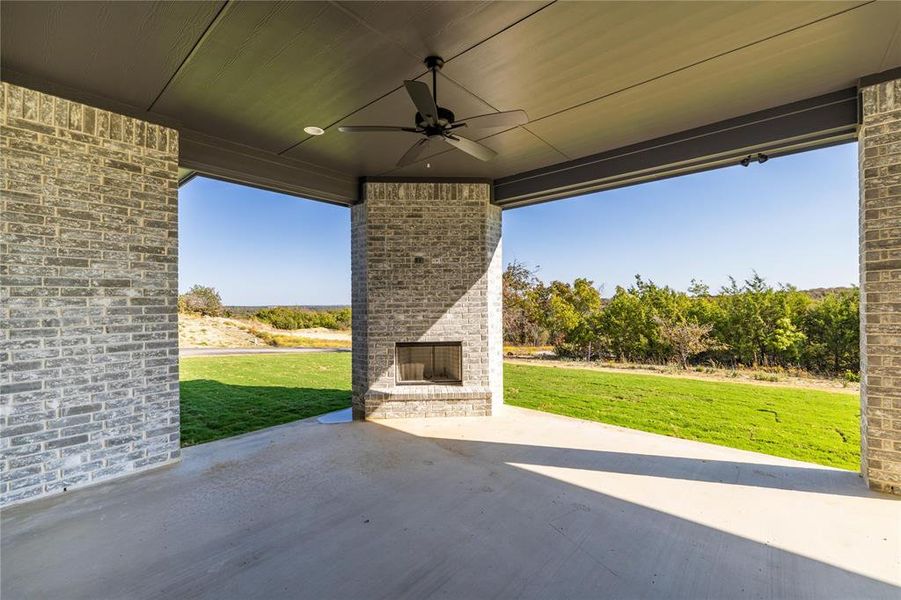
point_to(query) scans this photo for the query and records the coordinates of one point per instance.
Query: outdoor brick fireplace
(418, 363)
(426, 300)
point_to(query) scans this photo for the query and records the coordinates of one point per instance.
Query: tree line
(749, 324)
(743, 324)
(285, 317)
(206, 301)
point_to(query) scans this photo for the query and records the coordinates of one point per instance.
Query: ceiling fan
(438, 125)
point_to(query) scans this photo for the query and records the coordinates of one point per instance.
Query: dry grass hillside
(195, 331)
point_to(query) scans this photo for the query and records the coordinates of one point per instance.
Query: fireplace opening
(429, 362)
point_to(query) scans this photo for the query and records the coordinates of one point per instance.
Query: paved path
(520, 505)
(234, 351)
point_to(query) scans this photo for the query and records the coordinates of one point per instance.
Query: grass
(284, 340)
(222, 396)
(809, 425)
(280, 340)
(526, 350)
(227, 395)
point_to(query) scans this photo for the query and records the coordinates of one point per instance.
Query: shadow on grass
(212, 410)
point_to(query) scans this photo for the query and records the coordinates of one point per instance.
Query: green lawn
(809, 425)
(222, 396)
(227, 395)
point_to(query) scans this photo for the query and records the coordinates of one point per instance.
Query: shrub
(201, 300)
(851, 376)
(687, 339)
(765, 377)
(284, 317)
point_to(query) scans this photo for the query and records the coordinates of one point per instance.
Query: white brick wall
(89, 266)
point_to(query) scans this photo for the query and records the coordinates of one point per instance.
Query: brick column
(89, 265)
(426, 268)
(880, 285)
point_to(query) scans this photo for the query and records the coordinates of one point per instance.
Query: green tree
(749, 323)
(832, 327)
(659, 303)
(200, 299)
(629, 322)
(785, 340)
(573, 317)
(622, 326)
(686, 339)
(751, 314)
(522, 312)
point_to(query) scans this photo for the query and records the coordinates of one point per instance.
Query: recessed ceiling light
(314, 130)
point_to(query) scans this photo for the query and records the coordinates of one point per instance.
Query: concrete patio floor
(520, 505)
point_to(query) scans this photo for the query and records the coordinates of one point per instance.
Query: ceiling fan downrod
(434, 64)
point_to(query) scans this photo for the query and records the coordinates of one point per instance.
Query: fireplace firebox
(429, 363)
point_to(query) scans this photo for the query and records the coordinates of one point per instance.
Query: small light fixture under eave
(314, 130)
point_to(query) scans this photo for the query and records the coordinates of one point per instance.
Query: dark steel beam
(815, 122)
(215, 158)
(882, 77)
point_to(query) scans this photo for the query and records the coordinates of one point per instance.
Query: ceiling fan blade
(418, 149)
(368, 128)
(510, 118)
(421, 96)
(470, 147)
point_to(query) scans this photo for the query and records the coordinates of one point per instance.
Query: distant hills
(817, 293)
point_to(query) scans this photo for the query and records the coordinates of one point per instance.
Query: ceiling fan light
(313, 130)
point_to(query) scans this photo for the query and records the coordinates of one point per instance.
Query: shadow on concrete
(251, 408)
(362, 510)
(794, 478)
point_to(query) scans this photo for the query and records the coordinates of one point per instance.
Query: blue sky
(793, 219)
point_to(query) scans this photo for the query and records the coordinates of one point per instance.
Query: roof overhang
(618, 92)
(814, 123)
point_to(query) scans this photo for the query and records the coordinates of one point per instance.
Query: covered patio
(438, 489)
(521, 504)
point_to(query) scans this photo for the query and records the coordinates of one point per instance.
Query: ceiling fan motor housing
(445, 118)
